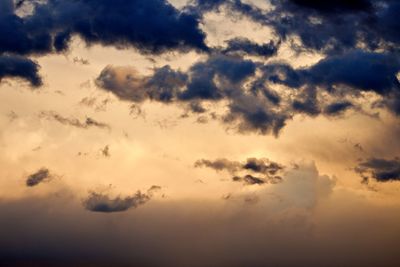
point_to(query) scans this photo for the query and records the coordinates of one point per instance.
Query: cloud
(71, 121)
(356, 71)
(42, 175)
(105, 151)
(335, 6)
(329, 27)
(218, 78)
(248, 179)
(100, 202)
(50, 26)
(20, 67)
(268, 169)
(219, 165)
(121, 24)
(337, 108)
(246, 46)
(382, 170)
(128, 84)
(54, 230)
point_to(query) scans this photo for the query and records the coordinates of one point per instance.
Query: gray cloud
(20, 67)
(100, 202)
(269, 170)
(71, 121)
(40, 176)
(382, 170)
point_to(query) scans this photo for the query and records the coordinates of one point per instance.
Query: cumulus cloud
(358, 71)
(216, 79)
(245, 87)
(136, 24)
(50, 26)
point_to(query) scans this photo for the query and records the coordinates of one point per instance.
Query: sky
(202, 133)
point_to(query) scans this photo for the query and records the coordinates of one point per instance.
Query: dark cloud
(218, 78)
(42, 175)
(166, 85)
(105, 151)
(122, 24)
(325, 26)
(356, 71)
(336, 5)
(249, 179)
(100, 202)
(337, 108)
(219, 165)
(245, 86)
(382, 170)
(232, 71)
(71, 121)
(262, 166)
(128, 84)
(19, 67)
(246, 46)
(268, 169)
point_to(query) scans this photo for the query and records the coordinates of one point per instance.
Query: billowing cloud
(246, 87)
(358, 70)
(135, 24)
(49, 27)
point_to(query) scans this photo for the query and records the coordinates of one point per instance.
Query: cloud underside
(359, 39)
(379, 169)
(331, 87)
(268, 171)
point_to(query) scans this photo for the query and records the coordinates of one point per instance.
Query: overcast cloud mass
(209, 133)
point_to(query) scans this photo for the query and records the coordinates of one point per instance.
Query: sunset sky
(200, 133)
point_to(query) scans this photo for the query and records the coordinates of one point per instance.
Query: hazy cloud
(71, 121)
